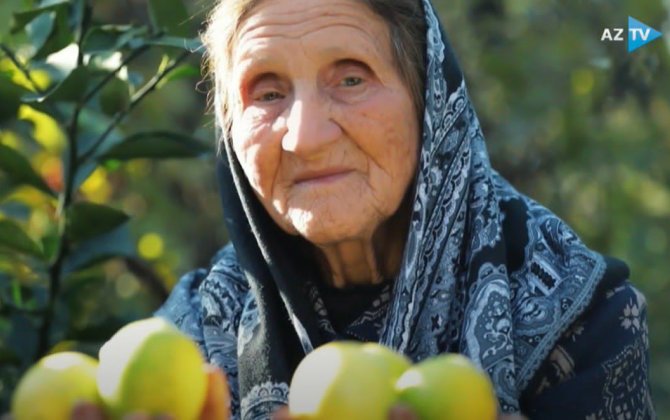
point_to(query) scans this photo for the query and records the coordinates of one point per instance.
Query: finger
(86, 411)
(402, 412)
(281, 414)
(217, 401)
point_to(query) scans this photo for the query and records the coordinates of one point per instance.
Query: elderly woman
(361, 204)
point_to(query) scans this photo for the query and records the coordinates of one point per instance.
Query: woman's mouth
(322, 177)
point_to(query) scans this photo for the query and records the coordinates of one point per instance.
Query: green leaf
(60, 37)
(114, 96)
(87, 220)
(13, 237)
(11, 98)
(40, 28)
(19, 171)
(115, 243)
(21, 19)
(180, 72)
(50, 245)
(156, 145)
(169, 16)
(108, 38)
(71, 89)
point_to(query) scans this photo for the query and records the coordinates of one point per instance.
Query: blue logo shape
(640, 34)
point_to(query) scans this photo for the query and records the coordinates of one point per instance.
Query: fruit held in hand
(51, 388)
(345, 380)
(149, 366)
(448, 387)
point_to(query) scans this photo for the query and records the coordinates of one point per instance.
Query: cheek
(388, 134)
(258, 152)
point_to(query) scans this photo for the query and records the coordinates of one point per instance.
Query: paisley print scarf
(486, 271)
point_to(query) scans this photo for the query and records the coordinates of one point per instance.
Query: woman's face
(323, 125)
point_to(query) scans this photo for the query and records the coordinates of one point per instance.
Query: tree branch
(12, 56)
(135, 100)
(65, 199)
(24, 70)
(132, 56)
(147, 276)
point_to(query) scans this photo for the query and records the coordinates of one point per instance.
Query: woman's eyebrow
(345, 62)
(354, 53)
(256, 64)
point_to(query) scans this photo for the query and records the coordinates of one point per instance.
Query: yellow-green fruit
(345, 380)
(394, 363)
(149, 366)
(50, 389)
(448, 387)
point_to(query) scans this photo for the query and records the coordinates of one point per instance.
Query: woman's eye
(270, 96)
(351, 81)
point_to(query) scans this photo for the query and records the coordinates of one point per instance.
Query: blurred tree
(69, 81)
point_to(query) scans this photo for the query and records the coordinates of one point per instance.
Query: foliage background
(578, 124)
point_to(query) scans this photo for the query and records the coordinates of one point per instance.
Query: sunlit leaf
(71, 89)
(87, 220)
(115, 243)
(18, 169)
(156, 144)
(169, 16)
(45, 129)
(96, 187)
(13, 237)
(181, 72)
(38, 77)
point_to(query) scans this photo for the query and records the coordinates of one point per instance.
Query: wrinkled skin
(326, 131)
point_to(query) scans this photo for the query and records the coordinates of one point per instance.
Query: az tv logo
(639, 34)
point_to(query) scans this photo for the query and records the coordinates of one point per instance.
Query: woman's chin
(326, 232)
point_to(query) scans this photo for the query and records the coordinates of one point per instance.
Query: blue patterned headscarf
(459, 288)
(486, 271)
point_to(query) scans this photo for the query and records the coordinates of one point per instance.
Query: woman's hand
(216, 406)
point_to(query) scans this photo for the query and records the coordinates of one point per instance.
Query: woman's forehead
(304, 20)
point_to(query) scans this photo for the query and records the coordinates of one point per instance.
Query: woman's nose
(309, 126)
